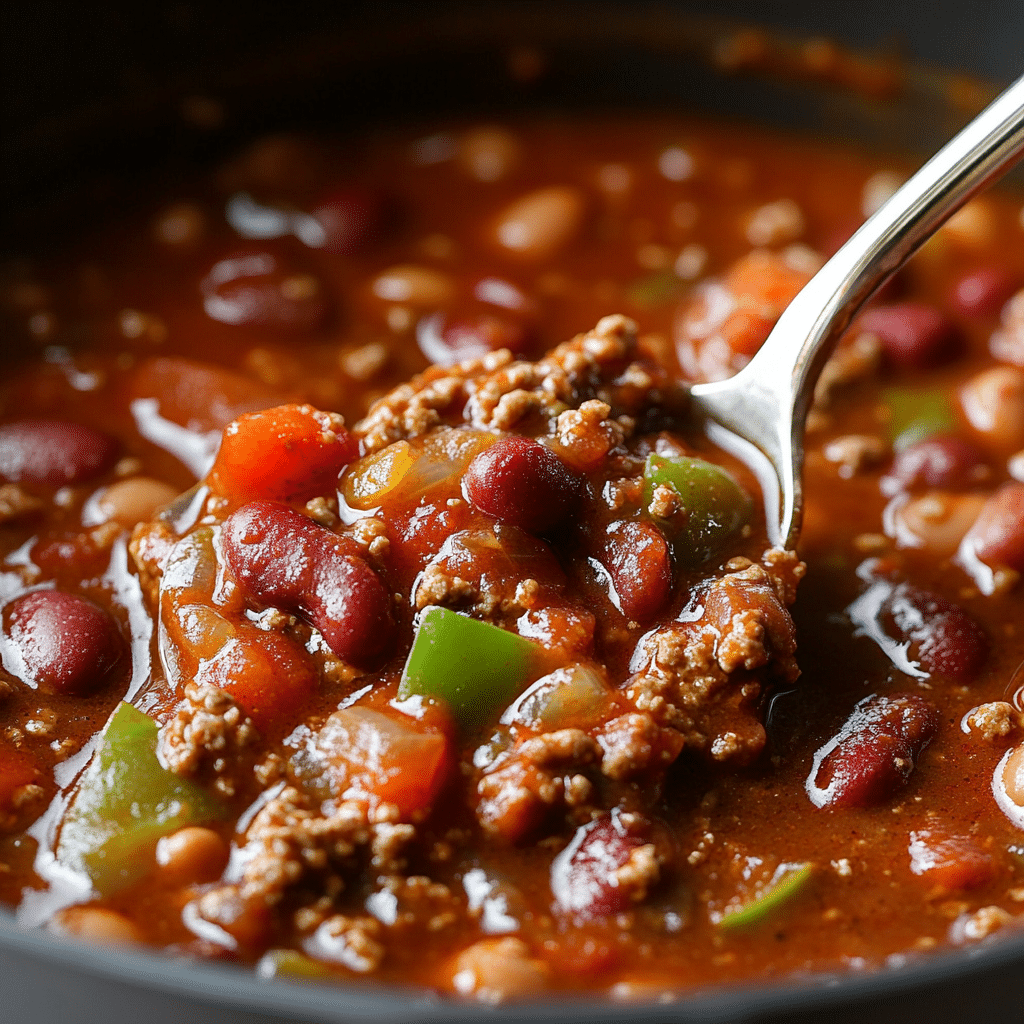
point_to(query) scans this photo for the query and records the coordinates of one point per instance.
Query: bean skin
(496, 970)
(997, 536)
(68, 644)
(936, 522)
(874, 753)
(1013, 776)
(949, 463)
(131, 501)
(523, 483)
(53, 452)
(351, 219)
(913, 335)
(538, 224)
(636, 555)
(197, 395)
(192, 854)
(582, 875)
(993, 402)
(447, 340)
(282, 558)
(982, 292)
(945, 640)
(258, 288)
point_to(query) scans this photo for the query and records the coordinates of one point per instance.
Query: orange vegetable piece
(371, 752)
(952, 863)
(268, 674)
(289, 453)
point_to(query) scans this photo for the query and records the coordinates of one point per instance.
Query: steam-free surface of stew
(487, 676)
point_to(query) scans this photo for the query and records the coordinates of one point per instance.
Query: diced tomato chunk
(374, 753)
(268, 674)
(289, 453)
(950, 862)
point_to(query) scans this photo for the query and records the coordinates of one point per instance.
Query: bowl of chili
(424, 713)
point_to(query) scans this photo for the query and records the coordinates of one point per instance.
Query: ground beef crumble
(587, 392)
(209, 735)
(703, 677)
(697, 683)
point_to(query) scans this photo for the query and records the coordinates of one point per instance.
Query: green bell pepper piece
(714, 505)
(788, 880)
(290, 963)
(474, 667)
(656, 289)
(917, 415)
(125, 802)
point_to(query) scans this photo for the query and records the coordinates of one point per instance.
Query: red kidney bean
(54, 552)
(53, 452)
(997, 536)
(943, 638)
(196, 395)
(913, 335)
(583, 878)
(521, 482)
(982, 292)
(951, 862)
(351, 218)
(447, 340)
(281, 557)
(637, 557)
(257, 288)
(68, 644)
(874, 753)
(950, 463)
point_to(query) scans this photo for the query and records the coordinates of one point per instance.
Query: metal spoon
(766, 403)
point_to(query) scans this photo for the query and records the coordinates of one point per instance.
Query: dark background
(62, 55)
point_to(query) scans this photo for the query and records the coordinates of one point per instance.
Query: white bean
(127, 502)
(993, 402)
(936, 522)
(538, 224)
(192, 854)
(488, 153)
(410, 283)
(1013, 776)
(495, 970)
(97, 924)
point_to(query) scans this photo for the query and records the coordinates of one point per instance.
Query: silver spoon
(766, 403)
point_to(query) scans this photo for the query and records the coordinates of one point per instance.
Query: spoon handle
(766, 403)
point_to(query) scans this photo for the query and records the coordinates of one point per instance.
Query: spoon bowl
(759, 413)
